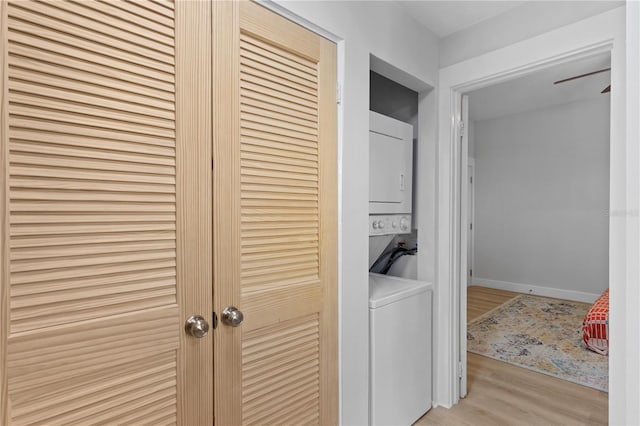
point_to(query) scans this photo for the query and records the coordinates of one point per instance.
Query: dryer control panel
(387, 224)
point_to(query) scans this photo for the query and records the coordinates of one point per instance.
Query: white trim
(463, 223)
(340, 165)
(538, 290)
(595, 35)
(286, 13)
(625, 314)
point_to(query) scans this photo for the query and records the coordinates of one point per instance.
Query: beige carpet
(541, 334)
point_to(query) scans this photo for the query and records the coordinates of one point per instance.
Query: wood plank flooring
(503, 394)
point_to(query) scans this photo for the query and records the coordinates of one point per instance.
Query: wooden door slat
(36, 158)
(278, 54)
(249, 96)
(38, 46)
(88, 68)
(46, 85)
(129, 18)
(73, 40)
(53, 104)
(117, 27)
(277, 92)
(153, 273)
(44, 15)
(144, 9)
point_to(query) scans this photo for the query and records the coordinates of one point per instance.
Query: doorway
(459, 170)
(541, 152)
(584, 39)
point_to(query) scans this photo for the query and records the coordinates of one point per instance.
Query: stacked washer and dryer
(400, 309)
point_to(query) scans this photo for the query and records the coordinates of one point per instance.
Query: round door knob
(196, 326)
(232, 316)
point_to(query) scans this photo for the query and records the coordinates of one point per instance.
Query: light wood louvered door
(275, 219)
(105, 208)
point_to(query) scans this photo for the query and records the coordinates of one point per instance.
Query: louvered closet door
(105, 195)
(275, 219)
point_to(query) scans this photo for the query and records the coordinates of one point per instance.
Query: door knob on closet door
(196, 326)
(231, 316)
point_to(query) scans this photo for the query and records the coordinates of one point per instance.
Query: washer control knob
(381, 224)
(404, 224)
(394, 224)
(374, 224)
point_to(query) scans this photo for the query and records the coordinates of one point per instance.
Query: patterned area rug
(540, 334)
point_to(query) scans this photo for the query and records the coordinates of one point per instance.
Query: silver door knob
(232, 316)
(196, 326)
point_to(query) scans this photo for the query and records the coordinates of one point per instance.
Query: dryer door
(390, 165)
(389, 171)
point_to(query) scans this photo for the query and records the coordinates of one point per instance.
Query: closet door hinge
(461, 128)
(460, 370)
(339, 94)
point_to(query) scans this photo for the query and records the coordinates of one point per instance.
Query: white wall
(377, 244)
(381, 29)
(542, 200)
(517, 24)
(394, 100)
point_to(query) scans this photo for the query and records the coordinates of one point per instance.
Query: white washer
(400, 349)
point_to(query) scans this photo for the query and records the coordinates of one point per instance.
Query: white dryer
(400, 349)
(390, 175)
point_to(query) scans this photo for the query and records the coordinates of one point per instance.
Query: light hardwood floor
(503, 394)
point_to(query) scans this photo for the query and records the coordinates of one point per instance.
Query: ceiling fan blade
(582, 75)
(606, 89)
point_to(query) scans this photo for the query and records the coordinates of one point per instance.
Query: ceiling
(536, 90)
(447, 17)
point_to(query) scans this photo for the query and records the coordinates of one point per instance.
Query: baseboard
(578, 296)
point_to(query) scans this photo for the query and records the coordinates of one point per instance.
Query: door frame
(463, 236)
(595, 35)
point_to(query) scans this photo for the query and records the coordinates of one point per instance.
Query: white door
(470, 215)
(464, 235)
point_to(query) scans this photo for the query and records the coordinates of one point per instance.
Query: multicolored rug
(540, 334)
